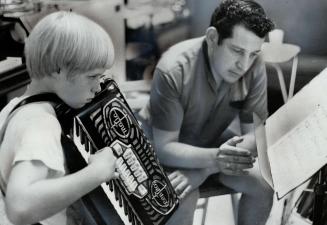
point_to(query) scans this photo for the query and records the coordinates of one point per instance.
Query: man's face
(235, 55)
(80, 89)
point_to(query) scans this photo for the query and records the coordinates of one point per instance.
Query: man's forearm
(248, 142)
(180, 155)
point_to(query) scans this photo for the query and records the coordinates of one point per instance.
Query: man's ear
(212, 36)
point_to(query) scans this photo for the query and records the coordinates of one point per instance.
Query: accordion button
(127, 172)
(143, 191)
(128, 187)
(120, 162)
(128, 153)
(117, 149)
(130, 179)
(123, 167)
(138, 172)
(129, 184)
(135, 166)
(142, 178)
(133, 186)
(131, 160)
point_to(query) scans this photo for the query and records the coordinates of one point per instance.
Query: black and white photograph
(163, 112)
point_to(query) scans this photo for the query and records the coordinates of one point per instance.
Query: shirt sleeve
(165, 106)
(39, 139)
(256, 101)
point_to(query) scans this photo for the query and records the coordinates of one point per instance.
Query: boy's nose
(96, 88)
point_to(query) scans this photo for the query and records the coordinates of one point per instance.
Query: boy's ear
(212, 36)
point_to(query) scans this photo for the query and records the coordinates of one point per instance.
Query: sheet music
(300, 153)
(292, 144)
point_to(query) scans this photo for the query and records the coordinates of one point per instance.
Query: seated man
(199, 87)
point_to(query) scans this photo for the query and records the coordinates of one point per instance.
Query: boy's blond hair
(66, 40)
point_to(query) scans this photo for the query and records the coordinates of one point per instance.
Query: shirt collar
(239, 90)
(207, 68)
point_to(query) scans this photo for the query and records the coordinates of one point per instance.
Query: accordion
(143, 190)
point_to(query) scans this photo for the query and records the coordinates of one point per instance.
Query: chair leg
(235, 202)
(205, 208)
(281, 82)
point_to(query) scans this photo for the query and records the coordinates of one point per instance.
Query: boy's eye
(97, 76)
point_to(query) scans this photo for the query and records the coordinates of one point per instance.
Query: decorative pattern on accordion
(143, 189)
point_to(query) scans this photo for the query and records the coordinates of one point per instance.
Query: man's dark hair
(240, 12)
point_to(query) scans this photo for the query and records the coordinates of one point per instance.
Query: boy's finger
(181, 187)
(173, 175)
(186, 191)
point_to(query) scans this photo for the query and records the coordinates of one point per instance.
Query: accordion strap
(43, 97)
(63, 112)
(35, 98)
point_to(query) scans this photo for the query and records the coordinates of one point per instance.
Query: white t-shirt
(32, 133)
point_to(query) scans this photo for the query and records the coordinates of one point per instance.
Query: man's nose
(243, 63)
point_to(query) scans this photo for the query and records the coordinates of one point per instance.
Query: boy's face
(79, 89)
(235, 55)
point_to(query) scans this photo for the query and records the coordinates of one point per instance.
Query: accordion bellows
(143, 189)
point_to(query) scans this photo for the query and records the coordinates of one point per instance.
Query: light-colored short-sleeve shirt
(33, 133)
(185, 97)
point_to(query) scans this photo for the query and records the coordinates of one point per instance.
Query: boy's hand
(104, 161)
(185, 181)
(233, 160)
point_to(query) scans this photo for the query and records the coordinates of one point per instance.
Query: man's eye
(238, 51)
(254, 55)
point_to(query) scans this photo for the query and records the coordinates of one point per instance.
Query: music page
(292, 144)
(300, 153)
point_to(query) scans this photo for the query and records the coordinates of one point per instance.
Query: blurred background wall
(304, 22)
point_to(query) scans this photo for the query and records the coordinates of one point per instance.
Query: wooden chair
(212, 187)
